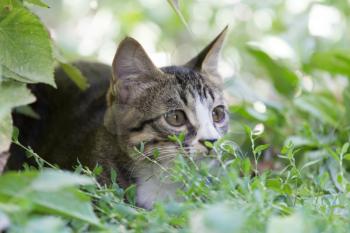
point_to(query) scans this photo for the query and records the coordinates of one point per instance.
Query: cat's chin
(153, 190)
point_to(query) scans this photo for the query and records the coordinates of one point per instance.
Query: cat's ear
(207, 60)
(132, 71)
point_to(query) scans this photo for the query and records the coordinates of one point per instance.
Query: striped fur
(143, 94)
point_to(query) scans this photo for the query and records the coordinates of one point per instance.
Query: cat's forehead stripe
(190, 82)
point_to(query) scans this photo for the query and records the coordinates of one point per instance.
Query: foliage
(26, 57)
(301, 132)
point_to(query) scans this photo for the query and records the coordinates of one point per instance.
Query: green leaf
(219, 218)
(335, 62)
(27, 111)
(284, 80)
(346, 98)
(308, 164)
(38, 3)
(345, 148)
(68, 202)
(287, 224)
(176, 7)
(208, 144)
(324, 179)
(13, 94)
(333, 154)
(45, 224)
(322, 107)
(299, 141)
(25, 46)
(347, 156)
(75, 75)
(50, 180)
(274, 184)
(130, 194)
(246, 166)
(5, 138)
(261, 148)
(9, 74)
(5, 133)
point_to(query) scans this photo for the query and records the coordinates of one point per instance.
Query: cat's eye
(175, 118)
(219, 114)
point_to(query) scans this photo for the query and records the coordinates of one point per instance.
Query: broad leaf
(284, 80)
(45, 224)
(67, 201)
(321, 107)
(50, 180)
(335, 62)
(25, 45)
(288, 224)
(13, 94)
(5, 139)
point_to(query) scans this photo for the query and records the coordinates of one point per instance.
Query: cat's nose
(212, 140)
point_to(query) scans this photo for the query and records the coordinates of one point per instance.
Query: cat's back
(69, 117)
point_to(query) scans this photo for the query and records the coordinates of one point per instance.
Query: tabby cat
(139, 104)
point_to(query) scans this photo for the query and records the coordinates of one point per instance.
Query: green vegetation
(290, 112)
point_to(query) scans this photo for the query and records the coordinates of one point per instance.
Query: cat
(139, 104)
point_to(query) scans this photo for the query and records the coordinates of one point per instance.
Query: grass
(232, 197)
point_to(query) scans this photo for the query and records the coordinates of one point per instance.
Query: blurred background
(273, 63)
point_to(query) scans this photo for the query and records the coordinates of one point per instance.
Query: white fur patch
(152, 185)
(206, 126)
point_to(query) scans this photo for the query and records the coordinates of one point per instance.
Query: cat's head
(148, 104)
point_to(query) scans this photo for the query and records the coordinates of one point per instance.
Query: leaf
(5, 139)
(346, 99)
(284, 80)
(261, 148)
(246, 166)
(321, 107)
(5, 132)
(308, 164)
(347, 156)
(208, 144)
(68, 202)
(299, 141)
(38, 3)
(27, 111)
(274, 184)
(324, 179)
(25, 46)
(75, 75)
(345, 148)
(287, 224)
(218, 218)
(45, 224)
(50, 180)
(13, 94)
(335, 62)
(9, 74)
(176, 7)
(333, 154)
(130, 194)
